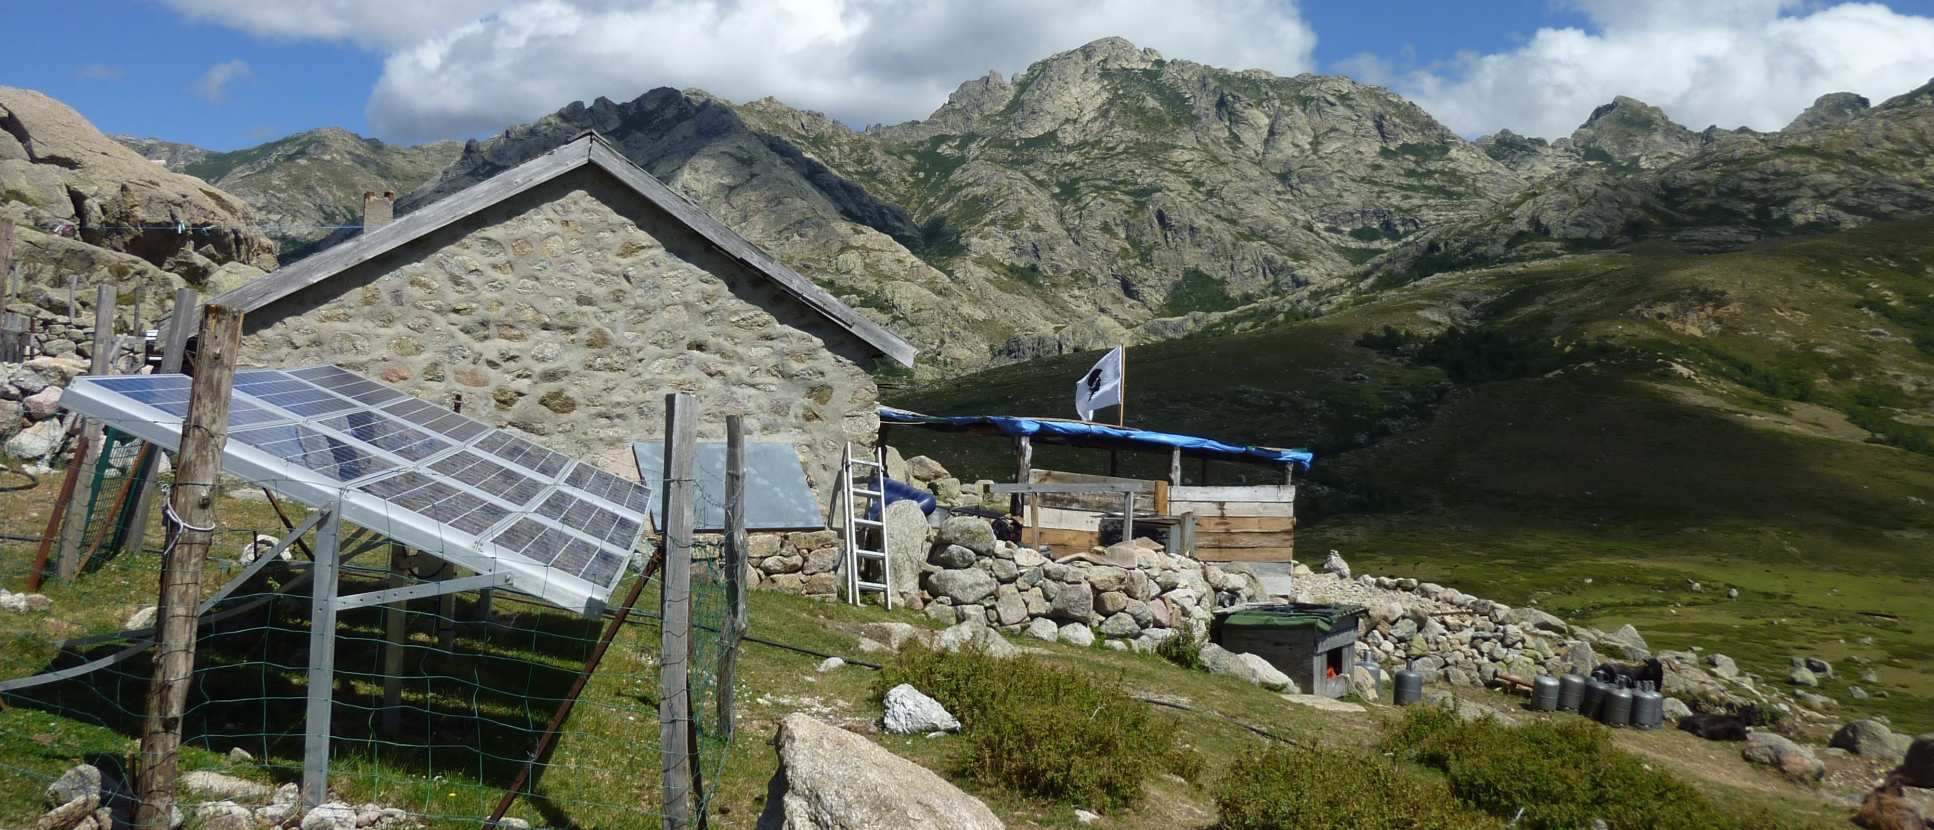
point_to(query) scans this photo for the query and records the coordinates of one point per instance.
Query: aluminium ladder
(858, 499)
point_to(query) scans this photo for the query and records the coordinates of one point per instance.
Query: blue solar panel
(425, 461)
(317, 451)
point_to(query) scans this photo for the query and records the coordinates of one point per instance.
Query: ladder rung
(859, 463)
(874, 493)
(869, 554)
(868, 523)
(872, 586)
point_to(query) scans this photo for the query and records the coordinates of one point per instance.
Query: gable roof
(587, 150)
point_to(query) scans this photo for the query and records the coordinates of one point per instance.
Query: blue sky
(231, 73)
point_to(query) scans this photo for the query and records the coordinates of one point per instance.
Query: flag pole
(1121, 410)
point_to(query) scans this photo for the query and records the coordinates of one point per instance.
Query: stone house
(565, 298)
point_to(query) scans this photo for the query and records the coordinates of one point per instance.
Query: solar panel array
(502, 495)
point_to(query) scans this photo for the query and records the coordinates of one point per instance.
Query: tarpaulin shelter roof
(1087, 432)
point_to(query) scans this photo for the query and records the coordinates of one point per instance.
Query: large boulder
(217, 786)
(1796, 762)
(35, 442)
(963, 586)
(1246, 667)
(1627, 643)
(908, 712)
(832, 779)
(974, 634)
(1867, 739)
(1535, 619)
(970, 532)
(52, 158)
(906, 547)
(1073, 603)
(923, 468)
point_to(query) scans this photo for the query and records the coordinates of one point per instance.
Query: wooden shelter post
(74, 529)
(675, 613)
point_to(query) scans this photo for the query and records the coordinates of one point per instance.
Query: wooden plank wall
(1240, 524)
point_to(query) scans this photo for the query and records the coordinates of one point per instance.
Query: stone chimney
(378, 209)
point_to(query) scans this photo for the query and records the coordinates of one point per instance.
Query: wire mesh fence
(436, 703)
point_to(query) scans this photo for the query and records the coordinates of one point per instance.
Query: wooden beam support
(203, 434)
(74, 531)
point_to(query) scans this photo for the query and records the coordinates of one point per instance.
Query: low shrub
(1184, 648)
(1282, 787)
(1562, 773)
(1046, 731)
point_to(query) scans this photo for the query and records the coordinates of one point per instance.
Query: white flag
(1100, 387)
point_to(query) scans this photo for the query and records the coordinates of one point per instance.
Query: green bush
(1042, 730)
(1561, 774)
(1281, 788)
(1184, 648)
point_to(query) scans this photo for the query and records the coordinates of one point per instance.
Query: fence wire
(428, 728)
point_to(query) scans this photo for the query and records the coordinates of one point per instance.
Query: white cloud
(457, 67)
(212, 86)
(1755, 63)
(377, 24)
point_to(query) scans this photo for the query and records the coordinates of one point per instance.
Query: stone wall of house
(569, 313)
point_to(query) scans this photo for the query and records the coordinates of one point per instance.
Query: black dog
(1650, 670)
(1715, 726)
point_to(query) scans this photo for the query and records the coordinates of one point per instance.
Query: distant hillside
(306, 182)
(1762, 418)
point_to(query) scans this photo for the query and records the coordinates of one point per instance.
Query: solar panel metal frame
(88, 396)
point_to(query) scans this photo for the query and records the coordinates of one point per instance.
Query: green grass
(1032, 728)
(1555, 774)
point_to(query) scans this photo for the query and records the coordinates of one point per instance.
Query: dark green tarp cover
(1289, 615)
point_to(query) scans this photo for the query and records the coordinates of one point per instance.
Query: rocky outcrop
(832, 779)
(1828, 110)
(58, 172)
(1630, 132)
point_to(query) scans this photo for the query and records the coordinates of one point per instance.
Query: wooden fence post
(74, 528)
(174, 345)
(675, 612)
(203, 434)
(734, 568)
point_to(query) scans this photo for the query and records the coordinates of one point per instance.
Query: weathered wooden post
(174, 346)
(675, 612)
(74, 529)
(734, 567)
(203, 434)
(1023, 465)
(1175, 467)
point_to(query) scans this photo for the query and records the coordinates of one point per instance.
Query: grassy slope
(1630, 419)
(608, 757)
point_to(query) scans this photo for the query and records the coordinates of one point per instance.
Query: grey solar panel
(420, 473)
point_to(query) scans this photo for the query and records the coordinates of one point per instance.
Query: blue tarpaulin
(1056, 427)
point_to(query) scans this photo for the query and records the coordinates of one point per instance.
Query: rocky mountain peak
(1110, 53)
(972, 100)
(1827, 110)
(1630, 132)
